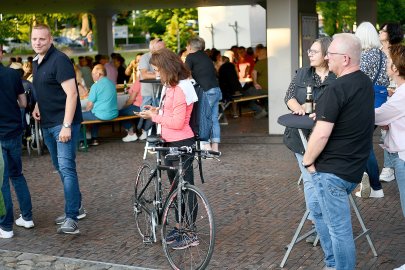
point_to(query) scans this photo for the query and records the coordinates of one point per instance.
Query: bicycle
(185, 213)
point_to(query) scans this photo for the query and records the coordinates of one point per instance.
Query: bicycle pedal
(147, 240)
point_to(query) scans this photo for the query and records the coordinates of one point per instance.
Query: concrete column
(104, 32)
(282, 53)
(366, 11)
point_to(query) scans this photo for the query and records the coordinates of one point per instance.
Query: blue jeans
(11, 149)
(373, 171)
(147, 100)
(94, 128)
(309, 189)
(332, 193)
(214, 95)
(399, 166)
(128, 111)
(63, 155)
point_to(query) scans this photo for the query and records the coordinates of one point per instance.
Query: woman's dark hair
(170, 65)
(325, 42)
(394, 31)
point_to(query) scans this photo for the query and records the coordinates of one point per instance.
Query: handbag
(380, 91)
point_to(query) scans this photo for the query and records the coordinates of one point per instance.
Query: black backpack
(201, 116)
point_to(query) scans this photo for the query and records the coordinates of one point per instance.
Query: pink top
(176, 116)
(392, 113)
(136, 87)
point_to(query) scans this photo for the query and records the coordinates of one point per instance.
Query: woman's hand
(299, 112)
(313, 116)
(148, 112)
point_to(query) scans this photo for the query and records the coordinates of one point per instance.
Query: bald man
(338, 149)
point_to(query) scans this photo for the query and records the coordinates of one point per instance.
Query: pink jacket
(136, 87)
(176, 116)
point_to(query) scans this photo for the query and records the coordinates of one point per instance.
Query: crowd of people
(356, 81)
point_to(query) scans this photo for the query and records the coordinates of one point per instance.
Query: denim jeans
(373, 171)
(399, 166)
(332, 193)
(309, 189)
(214, 95)
(147, 100)
(11, 149)
(63, 155)
(128, 111)
(94, 128)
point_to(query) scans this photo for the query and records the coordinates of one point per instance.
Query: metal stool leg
(363, 227)
(295, 238)
(299, 180)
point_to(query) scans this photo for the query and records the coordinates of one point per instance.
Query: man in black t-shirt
(203, 72)
(58, 108)
(339, 147)
(12, 98)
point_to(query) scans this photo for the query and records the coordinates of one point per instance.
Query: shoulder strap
(379, 68)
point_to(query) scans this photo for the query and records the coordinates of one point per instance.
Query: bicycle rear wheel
(144, 197)
(192, 245)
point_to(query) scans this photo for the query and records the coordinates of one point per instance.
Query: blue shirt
(103, 94)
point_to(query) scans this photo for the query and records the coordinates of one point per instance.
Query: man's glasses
(312, 52)
(335, 53)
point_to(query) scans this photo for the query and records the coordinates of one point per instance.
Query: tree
(339, 16)
(179, 25)
(7, 30)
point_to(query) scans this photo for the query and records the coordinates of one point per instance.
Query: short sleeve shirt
(10, 115)
(103, 94)
(348, 102)
(146, 88)
(54, 69)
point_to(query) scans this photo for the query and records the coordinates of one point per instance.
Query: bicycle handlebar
(184, 150)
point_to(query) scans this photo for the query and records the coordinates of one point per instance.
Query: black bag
(201, 116)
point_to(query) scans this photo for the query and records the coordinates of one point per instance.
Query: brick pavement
(257, 206)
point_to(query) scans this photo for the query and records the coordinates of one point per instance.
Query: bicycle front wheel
(188, 238)
(144, 197)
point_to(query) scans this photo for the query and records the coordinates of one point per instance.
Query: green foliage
(7, 30)
(340, 16)
(177, 23)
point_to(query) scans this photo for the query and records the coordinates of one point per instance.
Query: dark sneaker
(172, 235)
(82, 214)
(184, 241)
(69, 227)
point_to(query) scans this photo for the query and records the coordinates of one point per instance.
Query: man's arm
(22, 100)
(317, 141)
(69, 86)
(145, 74)
(89, 106)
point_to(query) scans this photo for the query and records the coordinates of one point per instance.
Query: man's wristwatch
(67, 125)
(306, 165)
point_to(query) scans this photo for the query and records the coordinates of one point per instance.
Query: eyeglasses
(332, 53)
(312, 52)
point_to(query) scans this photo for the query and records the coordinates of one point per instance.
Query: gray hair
(196, 43)
(368, 36)
(349, 44)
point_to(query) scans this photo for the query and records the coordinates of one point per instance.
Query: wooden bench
(92, 122)
(238, 99)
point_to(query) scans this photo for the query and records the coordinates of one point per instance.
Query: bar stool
(304, 122)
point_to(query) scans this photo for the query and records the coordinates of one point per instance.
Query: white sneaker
(130, 138)
(387, 175)
(143, 136)
(400, 268)
(365, 188)
(24, 223)
(6, 234)
(376, 193)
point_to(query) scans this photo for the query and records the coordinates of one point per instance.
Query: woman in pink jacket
(173, 117)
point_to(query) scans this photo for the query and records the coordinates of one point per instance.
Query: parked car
(67, 42)
(13, 44)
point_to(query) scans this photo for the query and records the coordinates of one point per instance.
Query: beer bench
(236, 99)
(91, 122)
